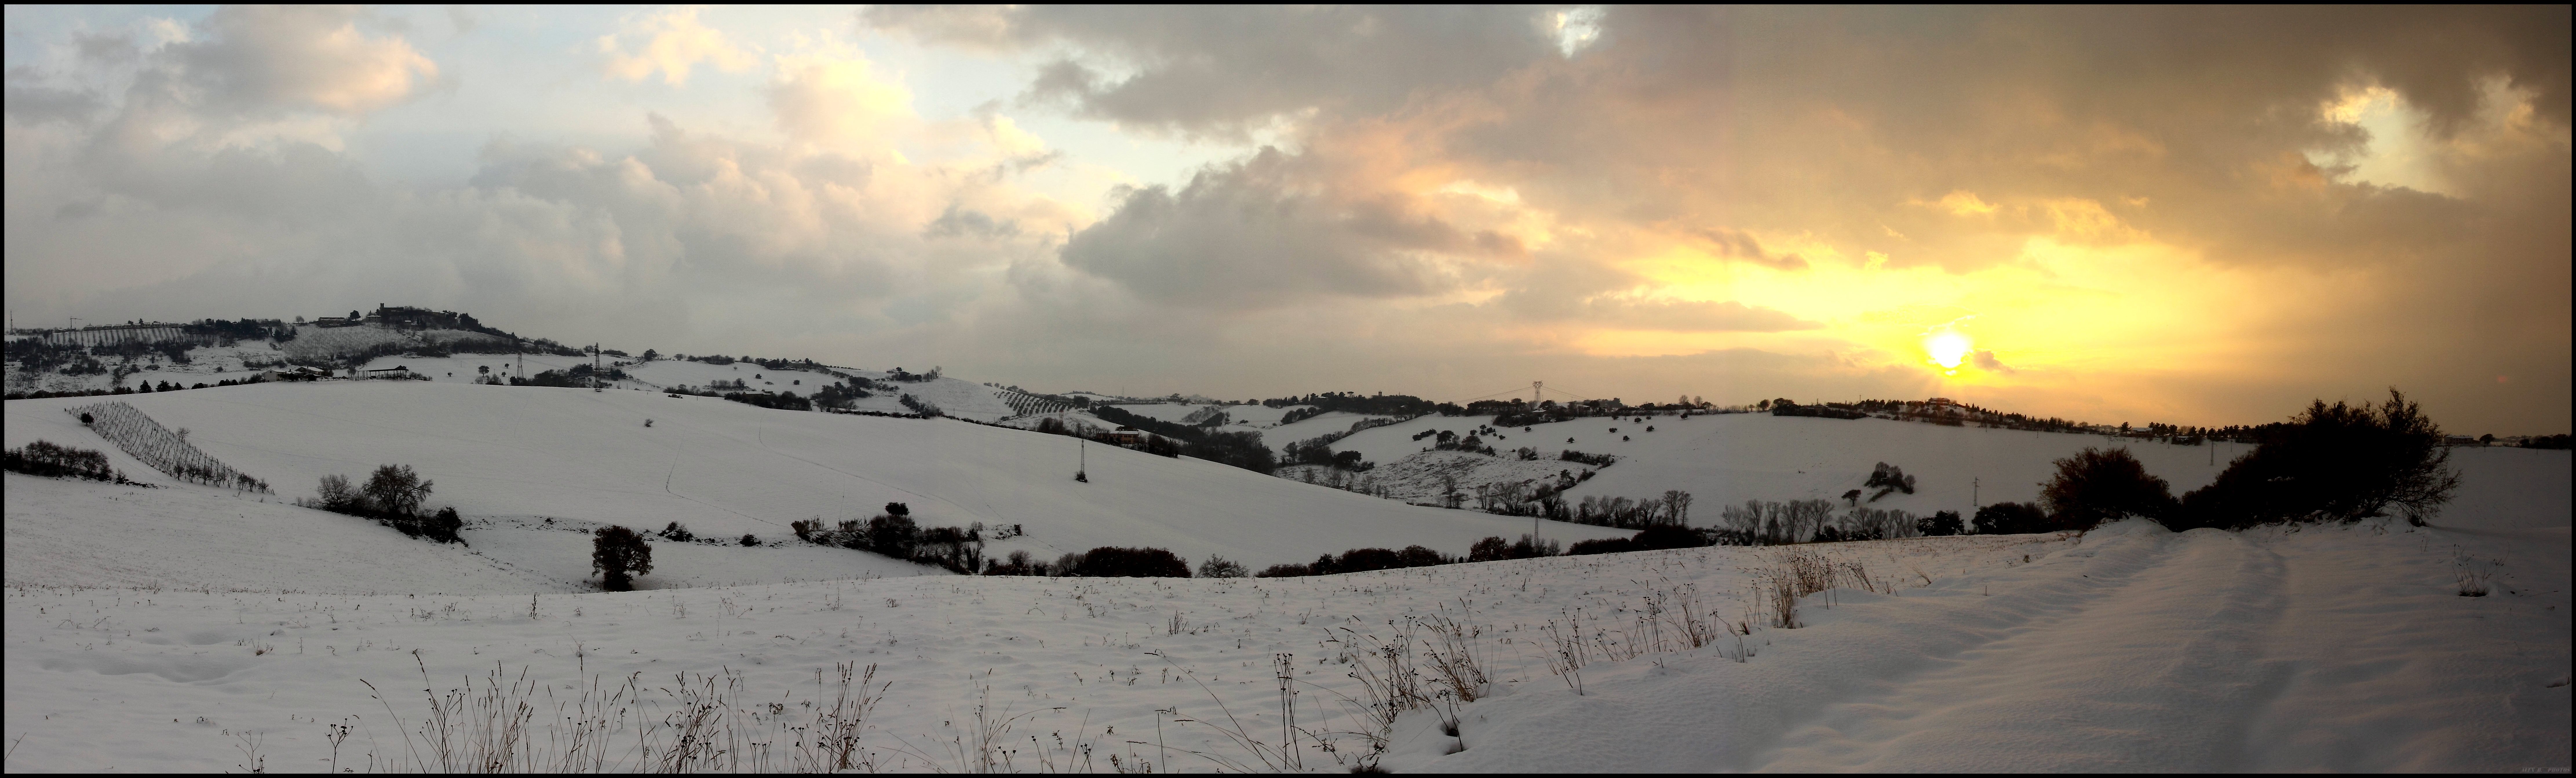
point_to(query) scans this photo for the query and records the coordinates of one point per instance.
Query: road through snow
(2178, 622)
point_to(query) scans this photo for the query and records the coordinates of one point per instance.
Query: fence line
(164, 450)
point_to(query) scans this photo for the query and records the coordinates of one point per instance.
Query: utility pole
(594, 366)
(1973, 497)
(1536, 388)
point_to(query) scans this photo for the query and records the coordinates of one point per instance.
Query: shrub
(1663, 536)
(616, 554)
(1018, 563)
(1360, 560)
(2011, 518)
(1118, 562)
(1649, 539)
(1214, 567)
(1601, 546)
(2332, 463)
(1284, 571)
(677, 533)
(1420, 556)
(47, 459)
(2096, 486)
(892, 535)
(444, 526)
(337, 496)
(749, 541)
(1939, 524)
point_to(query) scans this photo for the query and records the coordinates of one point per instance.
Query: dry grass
(698, 723)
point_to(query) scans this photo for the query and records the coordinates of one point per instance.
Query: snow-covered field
(509, 456)
(206, 365)
(189, 628)
(2130, 648)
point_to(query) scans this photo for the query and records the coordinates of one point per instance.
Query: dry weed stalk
(490, 727)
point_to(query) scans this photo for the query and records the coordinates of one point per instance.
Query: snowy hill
(2343, 648)
(511, 457)
(1730, 458)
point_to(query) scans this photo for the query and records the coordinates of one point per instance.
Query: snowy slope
(2344, 648)
(725, 469)
(206, 365)
(2131, 648)
(1331, 422)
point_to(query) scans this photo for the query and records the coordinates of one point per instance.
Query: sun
(1947, 349)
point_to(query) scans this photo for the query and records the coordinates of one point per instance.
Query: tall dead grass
(699, 722)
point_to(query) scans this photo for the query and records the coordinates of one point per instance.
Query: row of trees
(894, 533)
(2331, 463)
(169, 452)
(57, 461)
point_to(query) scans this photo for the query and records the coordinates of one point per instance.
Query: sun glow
(1948, 349)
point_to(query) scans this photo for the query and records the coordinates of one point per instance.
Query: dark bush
(892, 535)
(1360, 560)
(1939, 524)
(616, 554)
(2011, 518)
(677, 533)
(444, 526)
(1117, 562)
(1284, 571)
(2332, 463)
(748, 540)
(1420, 556)
(2095, 486)
(1489, 549)
(1663, 536)
(1601, 546)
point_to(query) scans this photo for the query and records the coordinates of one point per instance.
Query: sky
(2198, 216)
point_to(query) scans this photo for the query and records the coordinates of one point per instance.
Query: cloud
(1737, 245)
(1454, 189)
(1269, 230)
(1224, 71)
(672, 42)
(839, 100)
(1688, 316)
(254, 59)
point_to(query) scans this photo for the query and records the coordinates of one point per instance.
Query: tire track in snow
(2162, 671)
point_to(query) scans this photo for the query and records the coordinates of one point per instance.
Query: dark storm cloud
(1264, 231)
(1220, 70)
